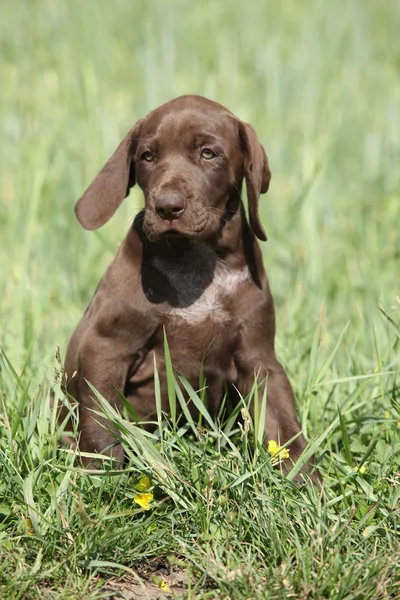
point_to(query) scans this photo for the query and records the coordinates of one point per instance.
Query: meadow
(320, 82)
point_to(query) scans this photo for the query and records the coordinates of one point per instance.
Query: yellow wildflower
(163, 586)
(159, 581)
(144, 484)
(143, 499)
(29, 527)
(361, 470)
(272, 447)
(387, 415)
(277, 451)
(398, 423)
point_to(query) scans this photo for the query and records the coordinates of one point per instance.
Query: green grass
(321, 84)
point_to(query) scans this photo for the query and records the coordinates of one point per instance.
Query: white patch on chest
(203, 287)
(213, 300)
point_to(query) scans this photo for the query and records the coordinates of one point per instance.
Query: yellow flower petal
(29, 526)
(143, 500)
(362, 469)
(272, 447)
(387, 415)
(284, 453)
(277, 451)
(144, 484)
(163, 586)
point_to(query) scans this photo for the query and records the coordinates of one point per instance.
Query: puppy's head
(190, 157)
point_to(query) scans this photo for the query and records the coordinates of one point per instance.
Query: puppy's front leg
(256, 357)
(281, 422)
(105, 363)
(281, 419)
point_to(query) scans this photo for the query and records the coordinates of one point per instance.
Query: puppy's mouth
(172, 229)
(168, 232)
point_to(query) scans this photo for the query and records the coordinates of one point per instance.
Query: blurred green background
(320, 82)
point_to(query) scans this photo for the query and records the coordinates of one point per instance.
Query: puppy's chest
(203, 292)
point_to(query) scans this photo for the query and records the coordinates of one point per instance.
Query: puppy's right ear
(111, 186)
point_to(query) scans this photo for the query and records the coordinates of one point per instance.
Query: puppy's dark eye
(208, 154)
(147, 156)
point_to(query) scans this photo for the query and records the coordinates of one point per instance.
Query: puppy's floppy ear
(256, 173)
(110, 186)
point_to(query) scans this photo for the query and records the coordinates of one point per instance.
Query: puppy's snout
(170, 207)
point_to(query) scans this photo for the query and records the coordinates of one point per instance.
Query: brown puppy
(190, 263)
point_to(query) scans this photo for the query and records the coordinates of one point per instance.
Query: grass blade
(345, 439)
(169, 372)
(198, 404)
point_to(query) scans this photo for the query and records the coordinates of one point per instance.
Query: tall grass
(320, 83)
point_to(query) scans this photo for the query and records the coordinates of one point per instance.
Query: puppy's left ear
(256, 173)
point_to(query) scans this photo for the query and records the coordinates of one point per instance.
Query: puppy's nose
(170, 207)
